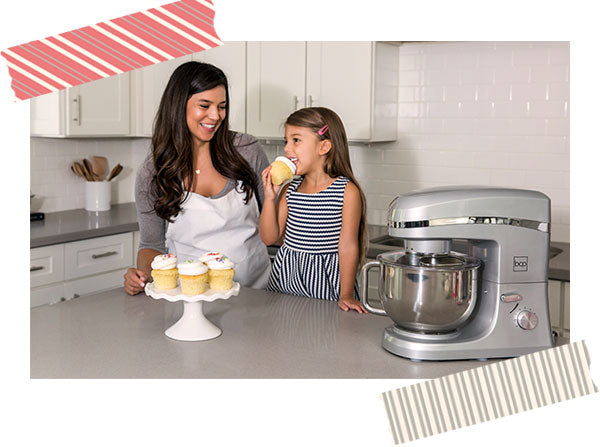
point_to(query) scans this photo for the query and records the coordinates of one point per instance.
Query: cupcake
(164, 271)
(192, 277)
(282, 170)
(220, 273)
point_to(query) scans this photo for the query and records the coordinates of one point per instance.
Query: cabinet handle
(77, 102)
(296, 101)
(310, 101)
(36, 268)
(103, 255)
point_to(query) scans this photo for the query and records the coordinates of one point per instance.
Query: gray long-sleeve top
(152, 227)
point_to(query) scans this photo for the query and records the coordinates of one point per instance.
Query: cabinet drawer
(46, 265)
(98, 255)
(46, 295)
(94, 284)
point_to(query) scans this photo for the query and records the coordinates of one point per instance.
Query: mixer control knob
(527, 320)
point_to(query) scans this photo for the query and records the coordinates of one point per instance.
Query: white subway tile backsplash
(460, 93)
(548, 109)
(537, 55)
(557, 126)
(528, 126)
(511, 74)
(504, 123)
(529, 92)
(549, 73)
(558, 91)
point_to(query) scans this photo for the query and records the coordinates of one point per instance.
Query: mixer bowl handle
(365, 287)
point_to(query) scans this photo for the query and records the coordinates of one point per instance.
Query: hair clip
(323, 129)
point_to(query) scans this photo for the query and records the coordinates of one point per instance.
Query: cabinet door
(339, 77)
(46, 295)
(148, 86)
(100, 107)
(47, 114)
(231, 58)
(276, 85)
(94, 284)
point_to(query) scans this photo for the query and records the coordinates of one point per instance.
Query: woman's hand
(268, 187)
(135, 281)
(347, 303)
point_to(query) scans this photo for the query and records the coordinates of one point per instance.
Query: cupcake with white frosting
(164, 271)
(282, 170)
(220, 273)
(193, 277)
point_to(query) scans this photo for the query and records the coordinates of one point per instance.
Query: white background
(287, 412)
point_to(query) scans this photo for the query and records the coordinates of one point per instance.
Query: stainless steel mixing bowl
(431, 293)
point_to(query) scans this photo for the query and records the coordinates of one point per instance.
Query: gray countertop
(265, 335)
(73, 225)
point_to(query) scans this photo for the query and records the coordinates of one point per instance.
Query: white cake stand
(193, 325)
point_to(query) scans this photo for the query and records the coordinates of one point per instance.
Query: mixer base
(458, 345)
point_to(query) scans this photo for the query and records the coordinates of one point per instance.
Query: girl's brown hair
(337, 161)
(172, 146)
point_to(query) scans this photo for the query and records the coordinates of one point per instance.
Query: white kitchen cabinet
(358, 80)
(276, 85)
(79, 268)
(148, 85)
(98, 108)
(231, 58)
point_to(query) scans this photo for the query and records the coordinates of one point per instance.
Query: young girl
(321, 216)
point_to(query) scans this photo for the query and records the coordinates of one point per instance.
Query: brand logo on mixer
(520, 264)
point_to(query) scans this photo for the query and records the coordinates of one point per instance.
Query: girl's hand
(135, 280)
(268, 187)
(347, 303)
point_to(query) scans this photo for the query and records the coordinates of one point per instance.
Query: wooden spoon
(76, 172)
(99, 166)
(115, 171)
(88, 167)
(79, 169)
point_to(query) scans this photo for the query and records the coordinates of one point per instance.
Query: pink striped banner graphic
(108, 48)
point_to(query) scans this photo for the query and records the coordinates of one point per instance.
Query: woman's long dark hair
(337, 162)
(172, 144)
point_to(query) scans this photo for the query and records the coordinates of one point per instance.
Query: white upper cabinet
(231, 58)
(100, 107)
(276, 74)
(357, 80)
(148, 85)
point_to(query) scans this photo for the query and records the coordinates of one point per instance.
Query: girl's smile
(302, 148)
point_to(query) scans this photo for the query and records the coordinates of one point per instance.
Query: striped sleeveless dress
(307, 264)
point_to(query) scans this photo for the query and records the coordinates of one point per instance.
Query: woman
(200, 189)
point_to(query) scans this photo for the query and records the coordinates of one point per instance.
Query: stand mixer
(472, 279)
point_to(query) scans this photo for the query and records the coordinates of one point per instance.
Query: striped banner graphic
(489, 392)
(113, 47)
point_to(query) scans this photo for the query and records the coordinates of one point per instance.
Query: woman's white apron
(225, 225)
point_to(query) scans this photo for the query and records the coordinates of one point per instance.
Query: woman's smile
(205, 111)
